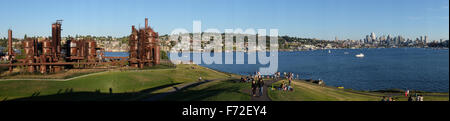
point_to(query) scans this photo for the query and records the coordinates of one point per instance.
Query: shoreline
(294, 50)
(392, 90)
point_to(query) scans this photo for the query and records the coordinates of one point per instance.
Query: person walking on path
(261, 86)
(410, 99)
(253, 87)
(290, 79)
(406, 93)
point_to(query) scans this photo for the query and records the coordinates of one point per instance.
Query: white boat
(360, 55)
(329, 51)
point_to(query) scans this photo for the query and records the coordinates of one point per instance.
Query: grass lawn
(223, 90)
(131, 84)
(305, 91)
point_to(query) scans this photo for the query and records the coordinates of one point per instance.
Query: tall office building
(373, 37)
(367, 39)
(388, 39)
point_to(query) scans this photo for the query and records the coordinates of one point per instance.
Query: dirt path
(265, 96)
(81, 76)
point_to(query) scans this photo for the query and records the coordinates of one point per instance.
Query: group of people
(388, 99)
(257, 81)
(287, 75)
(277, 75)
(287, 87)
(413, 98)
(416, 97)
(410, 98)
(257, 84)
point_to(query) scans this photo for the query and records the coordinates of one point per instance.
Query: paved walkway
(95, 73)
(265, 96)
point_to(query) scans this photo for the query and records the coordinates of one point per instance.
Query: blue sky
(322, 19)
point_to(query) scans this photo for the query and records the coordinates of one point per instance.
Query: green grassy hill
(136, 82)
(306, 91)
(131, 85)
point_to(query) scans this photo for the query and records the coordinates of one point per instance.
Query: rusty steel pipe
(146, 23)
(10, 48)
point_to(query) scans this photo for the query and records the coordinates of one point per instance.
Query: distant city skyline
(321, 19)
(373, 36)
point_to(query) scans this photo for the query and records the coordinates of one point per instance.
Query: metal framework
(144, 47)
(46, 55)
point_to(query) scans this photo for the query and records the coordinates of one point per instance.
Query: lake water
(115, 54)
(381, 68)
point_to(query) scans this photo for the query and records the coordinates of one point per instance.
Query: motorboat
(360, 55)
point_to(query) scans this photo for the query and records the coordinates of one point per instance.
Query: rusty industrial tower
(45, 55)
(144, 47)
(50, 55)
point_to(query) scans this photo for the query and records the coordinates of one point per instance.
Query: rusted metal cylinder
(82, 47)
(28, 44)
(92, 44)
(56, 68)
(28, 48)
(146, 23)
(157, 56)
(73, 48)
(28, 51)
(43, 68)
(73, 44)
(47, 51)
(46, 47)
(73, 51)
(148, 54)
(46, 44)
(10, 49)
(92, 52)
(56, 38)
(30, 69)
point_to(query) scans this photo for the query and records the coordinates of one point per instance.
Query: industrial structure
(11, 54)
(49, 55)
(40, 52)
(144, 47)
